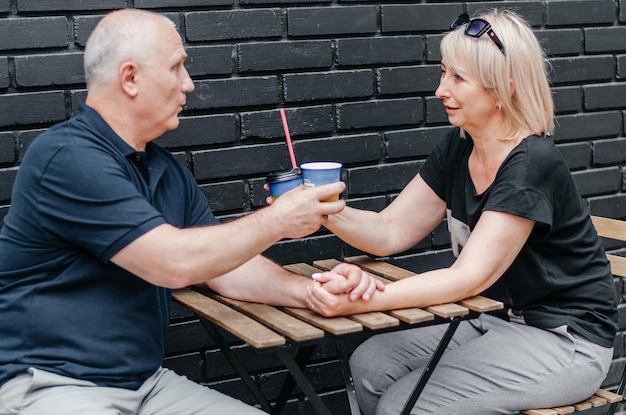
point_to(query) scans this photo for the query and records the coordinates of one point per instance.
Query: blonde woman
(520, 232)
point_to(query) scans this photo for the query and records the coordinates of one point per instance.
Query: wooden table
(283, 329)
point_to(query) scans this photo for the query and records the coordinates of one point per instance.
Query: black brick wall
(357, 82)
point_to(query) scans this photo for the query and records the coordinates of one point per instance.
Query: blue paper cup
(283, 181)
(320, 173)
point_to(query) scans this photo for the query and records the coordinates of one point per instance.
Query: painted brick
(605, 96)
(580, 12)
(32, 108)
(286, 2)
(47, 5)
(328, 85)
(379, 50)
(426, 261)
(533, 11)
(152, 4)
(435, 111)
(226, 196)
(598, 181)
(410, 79)
(201, 130)
(4, 6)
(234, 24)
(383, 178)
(83, 26)
(413, 143)
(561, 41)
(606, 152)
(305, 250)
(588, 126)
(577, 155)
(233, 92)
(33, 33)
(621, 67)
(50, 69)
(605, 39)
(302, 121)
(7, 148)
(419, 17)
(209, 60)
(567, 99)
(582, 69)
(7, 177)
(612, 206)
(393, 112)
(4, 72)
(239, 161)
(433, 45)
(189, 364)
(314, 21)
(270, 56)
(345, 149)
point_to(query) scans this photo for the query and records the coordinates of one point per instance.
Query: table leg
(432, 363)
(347, 377)
(306, 387)
(303, 355)
(237, 365)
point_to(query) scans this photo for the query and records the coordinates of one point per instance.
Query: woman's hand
(335, 292)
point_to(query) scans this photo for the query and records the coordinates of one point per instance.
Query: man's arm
(263, 281)
(174, 258)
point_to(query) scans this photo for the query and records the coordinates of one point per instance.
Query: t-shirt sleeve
(90, 202)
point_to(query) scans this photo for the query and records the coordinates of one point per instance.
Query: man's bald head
(123, 35)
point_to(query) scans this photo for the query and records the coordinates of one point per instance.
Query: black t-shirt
(561, 276)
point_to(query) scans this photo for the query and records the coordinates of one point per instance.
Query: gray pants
(42, 393)
(490, 367)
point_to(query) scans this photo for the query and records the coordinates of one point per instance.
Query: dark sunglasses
(476, 28)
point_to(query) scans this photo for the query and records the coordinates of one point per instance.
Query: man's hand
(301, 211)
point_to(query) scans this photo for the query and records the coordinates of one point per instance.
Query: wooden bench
(616, 230)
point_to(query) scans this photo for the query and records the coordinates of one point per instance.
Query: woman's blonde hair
(517, 79)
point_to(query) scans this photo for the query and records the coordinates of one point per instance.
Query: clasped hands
(342, 290)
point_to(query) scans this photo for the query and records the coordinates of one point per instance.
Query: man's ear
(128, 78)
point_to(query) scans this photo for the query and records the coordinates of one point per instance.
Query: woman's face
(468, 105)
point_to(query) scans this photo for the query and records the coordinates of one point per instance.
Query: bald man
(104, 222)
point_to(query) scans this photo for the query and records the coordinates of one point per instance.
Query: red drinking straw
(288, 137)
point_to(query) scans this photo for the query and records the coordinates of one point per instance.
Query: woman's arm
(407, 220)
(493, 245)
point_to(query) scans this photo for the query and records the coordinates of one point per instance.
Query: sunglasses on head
(476, 28)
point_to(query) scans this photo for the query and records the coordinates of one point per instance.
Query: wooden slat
(448, 310)
(247, 329)
(618, 265)
(334, 325)
(563, 410)
(481, 304)
(596, 401)
(540, 412)
(276, 319)
(412, 315)
(373, 320)
(609, 396)
(582, 406)
(610, 228)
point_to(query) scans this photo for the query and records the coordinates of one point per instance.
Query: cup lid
(283, 176)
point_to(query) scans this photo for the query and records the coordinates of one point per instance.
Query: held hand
(352, 280)
(343, 290)
(302, 211)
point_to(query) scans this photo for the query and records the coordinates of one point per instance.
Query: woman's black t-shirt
(561, 276)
